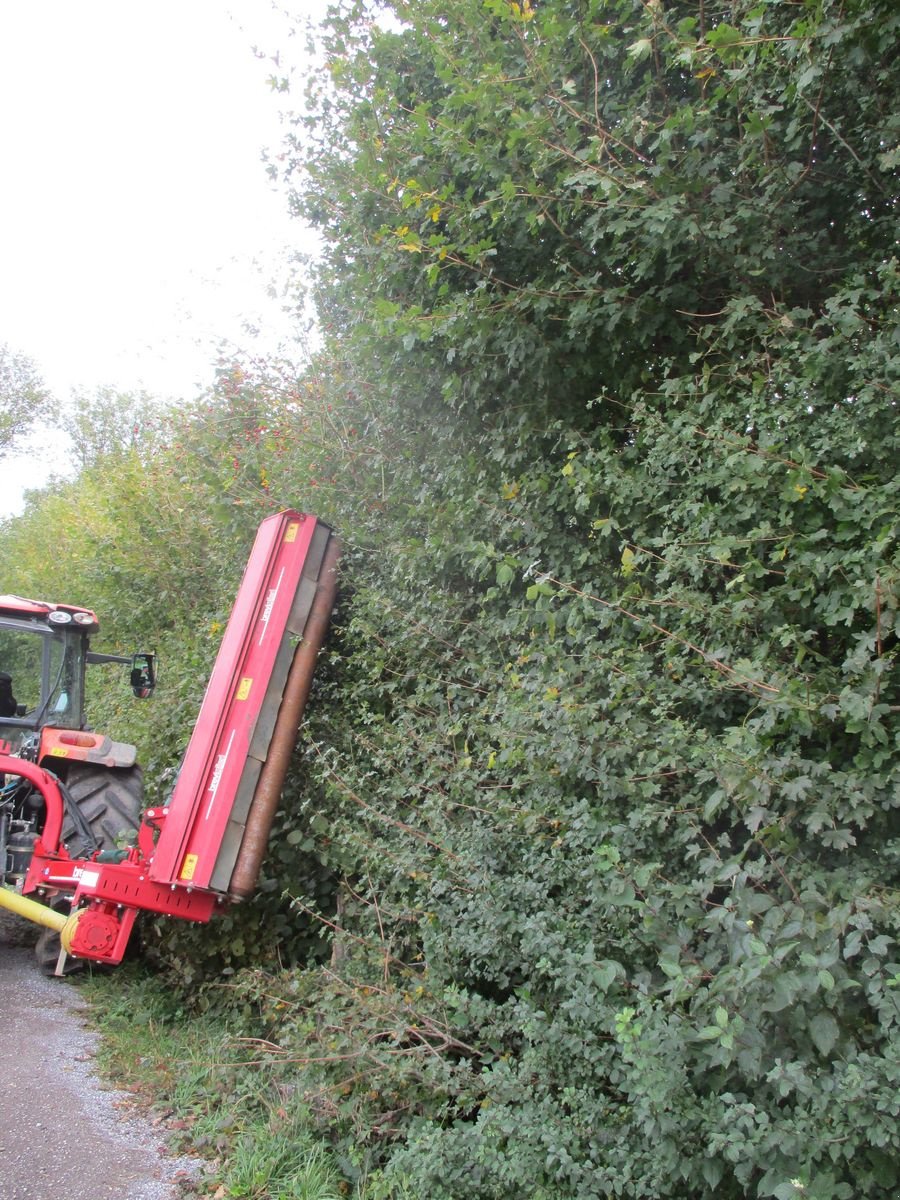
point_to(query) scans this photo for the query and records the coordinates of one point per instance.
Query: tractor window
(46, 668)
(20, 659)
(63, 698)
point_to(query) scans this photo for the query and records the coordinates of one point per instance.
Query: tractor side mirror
(143, 675)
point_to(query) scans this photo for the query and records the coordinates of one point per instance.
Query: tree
(612, 186)
(599, 793)
(108, 422)
(23, 398)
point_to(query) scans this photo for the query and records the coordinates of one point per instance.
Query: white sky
(138, 228)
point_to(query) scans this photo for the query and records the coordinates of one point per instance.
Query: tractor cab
(44, 652)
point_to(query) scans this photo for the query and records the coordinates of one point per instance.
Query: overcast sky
(138, 226)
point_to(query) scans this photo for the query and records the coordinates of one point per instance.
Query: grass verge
(201, 1080)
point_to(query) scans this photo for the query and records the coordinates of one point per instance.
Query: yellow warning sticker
(59, 751)
(244, 688)
(189, 867)
(292, 530)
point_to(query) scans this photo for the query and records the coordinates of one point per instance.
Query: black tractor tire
(111, 800)
(47, 948)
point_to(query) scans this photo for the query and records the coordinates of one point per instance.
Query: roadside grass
(215, 1098)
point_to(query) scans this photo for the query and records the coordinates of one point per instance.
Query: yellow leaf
(627, 561)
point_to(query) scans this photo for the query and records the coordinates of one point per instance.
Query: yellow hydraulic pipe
(31, 910)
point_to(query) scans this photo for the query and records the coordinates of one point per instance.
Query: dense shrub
(608, 762)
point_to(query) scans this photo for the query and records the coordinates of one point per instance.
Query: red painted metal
(48, 785)
(77, 745)
(294, 694)
(99, 932)
(19, 606)
(210, 774)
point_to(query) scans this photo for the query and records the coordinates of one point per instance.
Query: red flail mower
(80, 854)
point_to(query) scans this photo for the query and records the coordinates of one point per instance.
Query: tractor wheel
(111, 800)
(47, 948)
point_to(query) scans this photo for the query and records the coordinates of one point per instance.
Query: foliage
(597, 799)
(618, 781)
(23, 397)
(102, 424)
(153, 535)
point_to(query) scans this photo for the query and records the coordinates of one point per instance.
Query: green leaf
(723, 35)
(640, 49)
(823, 1029)
(709, 1033)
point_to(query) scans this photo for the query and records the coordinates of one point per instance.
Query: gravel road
(63, 1133)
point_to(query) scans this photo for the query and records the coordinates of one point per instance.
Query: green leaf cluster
(606, 756)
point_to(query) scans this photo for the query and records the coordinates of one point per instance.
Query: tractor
(44, 654)
(79, 853)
